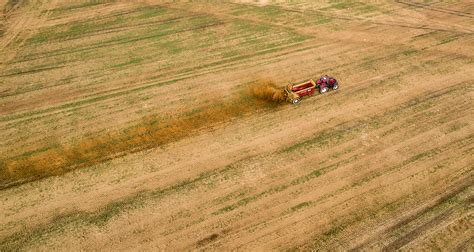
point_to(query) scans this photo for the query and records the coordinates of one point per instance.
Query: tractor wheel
(296, 101)
(335, 86)
(323, 90)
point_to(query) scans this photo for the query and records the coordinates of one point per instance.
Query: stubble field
(136, 125)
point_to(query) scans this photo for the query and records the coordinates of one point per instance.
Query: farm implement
(295, 92)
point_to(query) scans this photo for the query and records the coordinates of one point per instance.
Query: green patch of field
(80, 29)
(74, 30)
(456, 126)
(301, 206)
(150, 12)
(132, 61)
(448, 39)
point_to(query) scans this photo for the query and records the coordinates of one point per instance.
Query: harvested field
(161, 125)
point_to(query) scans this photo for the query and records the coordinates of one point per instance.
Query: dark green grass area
(103, 24)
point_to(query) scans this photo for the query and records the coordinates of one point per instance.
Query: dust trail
(265, 89)
(152, 131)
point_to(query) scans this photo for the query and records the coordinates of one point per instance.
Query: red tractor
(325, 83)
(295, 92)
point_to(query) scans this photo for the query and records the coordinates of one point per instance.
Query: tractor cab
(325, 82)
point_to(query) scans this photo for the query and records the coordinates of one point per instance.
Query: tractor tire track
(450, 193)
(436, 9)
(308, 217)
(283, 186)
(371, 21)
(413, 235)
